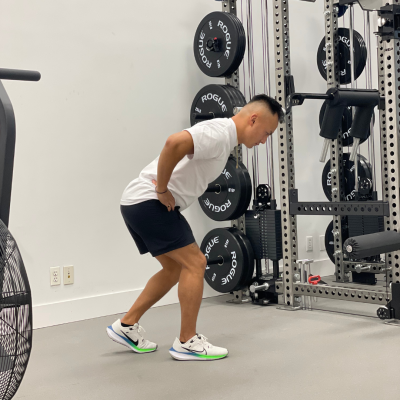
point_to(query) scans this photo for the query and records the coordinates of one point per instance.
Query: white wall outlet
(322, 243)
(55, 278)
(309, 243)
(69, 275)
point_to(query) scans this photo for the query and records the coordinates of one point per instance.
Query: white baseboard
(75, 310)
(45, 315)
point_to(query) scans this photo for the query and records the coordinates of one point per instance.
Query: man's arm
(176, 147)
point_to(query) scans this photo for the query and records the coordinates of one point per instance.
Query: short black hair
(272, 104)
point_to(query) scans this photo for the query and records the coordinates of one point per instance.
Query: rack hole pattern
(286, 146)
(389, 75)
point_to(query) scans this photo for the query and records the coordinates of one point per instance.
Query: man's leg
(157, 287)
(190, 289)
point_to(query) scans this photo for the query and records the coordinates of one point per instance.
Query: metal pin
(361, 268)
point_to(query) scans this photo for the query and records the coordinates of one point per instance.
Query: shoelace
(140, 330)
(203, 340)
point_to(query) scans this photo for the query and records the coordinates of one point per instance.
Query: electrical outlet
(309, 243)
(322, 243)
(55, 278)
(69, 275)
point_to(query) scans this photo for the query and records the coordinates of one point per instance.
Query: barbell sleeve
(220, 260)
(216, 188)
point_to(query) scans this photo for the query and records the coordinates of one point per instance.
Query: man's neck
(236, 120)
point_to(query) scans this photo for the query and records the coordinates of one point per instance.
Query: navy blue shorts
(155, 229)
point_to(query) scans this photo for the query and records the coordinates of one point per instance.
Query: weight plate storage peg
(219, 44)
(215, 101)
(360, 56)
(364, 171)
(230, 259)
(228, 197)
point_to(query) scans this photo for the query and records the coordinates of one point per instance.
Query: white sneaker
(197, 348)
(131, 337)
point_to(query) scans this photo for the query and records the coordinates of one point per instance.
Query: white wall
(117, 79)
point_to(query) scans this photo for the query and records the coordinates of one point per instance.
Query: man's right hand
(166, 198)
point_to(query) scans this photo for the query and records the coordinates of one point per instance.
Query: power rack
(375, 215)
(389, 76)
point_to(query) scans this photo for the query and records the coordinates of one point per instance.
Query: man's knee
(196, 264)
(190, 257)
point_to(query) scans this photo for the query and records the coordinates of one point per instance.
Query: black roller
(342, 10)
(359, 247)
(19, 75)
(347, 120)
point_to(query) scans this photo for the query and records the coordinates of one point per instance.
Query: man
(189, 161)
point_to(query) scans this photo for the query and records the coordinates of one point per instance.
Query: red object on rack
(314, 279)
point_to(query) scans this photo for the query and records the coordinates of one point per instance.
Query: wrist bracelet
(160, 192)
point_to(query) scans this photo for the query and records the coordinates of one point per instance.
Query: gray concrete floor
(274, 354)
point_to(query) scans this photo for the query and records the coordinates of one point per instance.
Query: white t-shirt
(213, 142)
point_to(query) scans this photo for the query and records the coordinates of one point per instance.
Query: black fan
(15, 292)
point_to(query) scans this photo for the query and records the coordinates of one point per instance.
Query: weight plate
(247, 193)
(234, 251)
(239, 99)
(364, 171)
(247, 277)
(228, 197)
(219, 44)
(330, 239)
(360, 56)
(347, 120)
(217, 101)
(242, 33)
(240, 28)
(214, 100)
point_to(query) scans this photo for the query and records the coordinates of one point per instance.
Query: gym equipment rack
(233, 80)
(389, 75)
